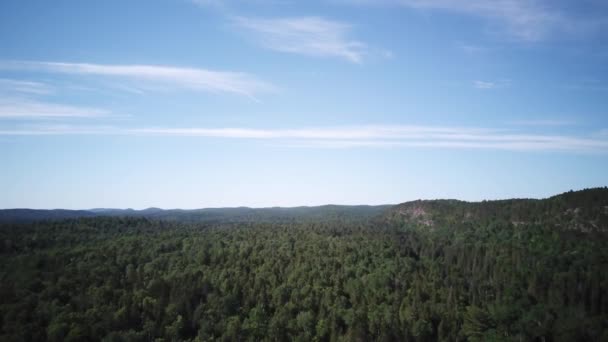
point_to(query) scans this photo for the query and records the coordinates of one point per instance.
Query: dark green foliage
(480, 279)
(208, 215)
(585, 210)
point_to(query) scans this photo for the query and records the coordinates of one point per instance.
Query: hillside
(514, 270)
(207, 215)
(33, 215)
(584, 210)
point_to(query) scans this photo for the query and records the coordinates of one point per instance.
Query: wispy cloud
(212, 3)
(59, 130)
(22, 86)
(327, 133)
(19, 108)
(224, 3)
(470, 49)
(544, 122)
(154, 77)
(523, 19)
(310, 36)
(487, 85)
(360, 136)
(484, 85)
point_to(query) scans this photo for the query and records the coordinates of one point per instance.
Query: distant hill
(210, 215)
(581, 210)
(32, 215)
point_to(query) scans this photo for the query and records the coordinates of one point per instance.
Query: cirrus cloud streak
(19, 108)
(309, 36)
(371, 136)
(154, 76)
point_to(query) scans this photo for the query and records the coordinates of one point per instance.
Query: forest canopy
(419, 271)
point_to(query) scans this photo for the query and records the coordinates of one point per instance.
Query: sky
(223, 103)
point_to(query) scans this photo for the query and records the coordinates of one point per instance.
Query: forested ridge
(206, 215)
(515, 270)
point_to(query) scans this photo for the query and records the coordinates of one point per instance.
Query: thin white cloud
(523, 19)
(544, 122)
(310, 36)
(471, 49)
(154, 77)
(19, 108)
(331, 133)
(22, 86)
(484, 85)
(60, 130)
(359, 136)
(222, 4)
(211, 3)
(487, 85)
(398, 136)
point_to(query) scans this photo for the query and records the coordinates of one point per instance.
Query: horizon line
(605, 187)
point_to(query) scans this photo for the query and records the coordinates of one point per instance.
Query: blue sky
(212, 103)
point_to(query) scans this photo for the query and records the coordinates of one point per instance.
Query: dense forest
(515, 270)
(207, 215)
